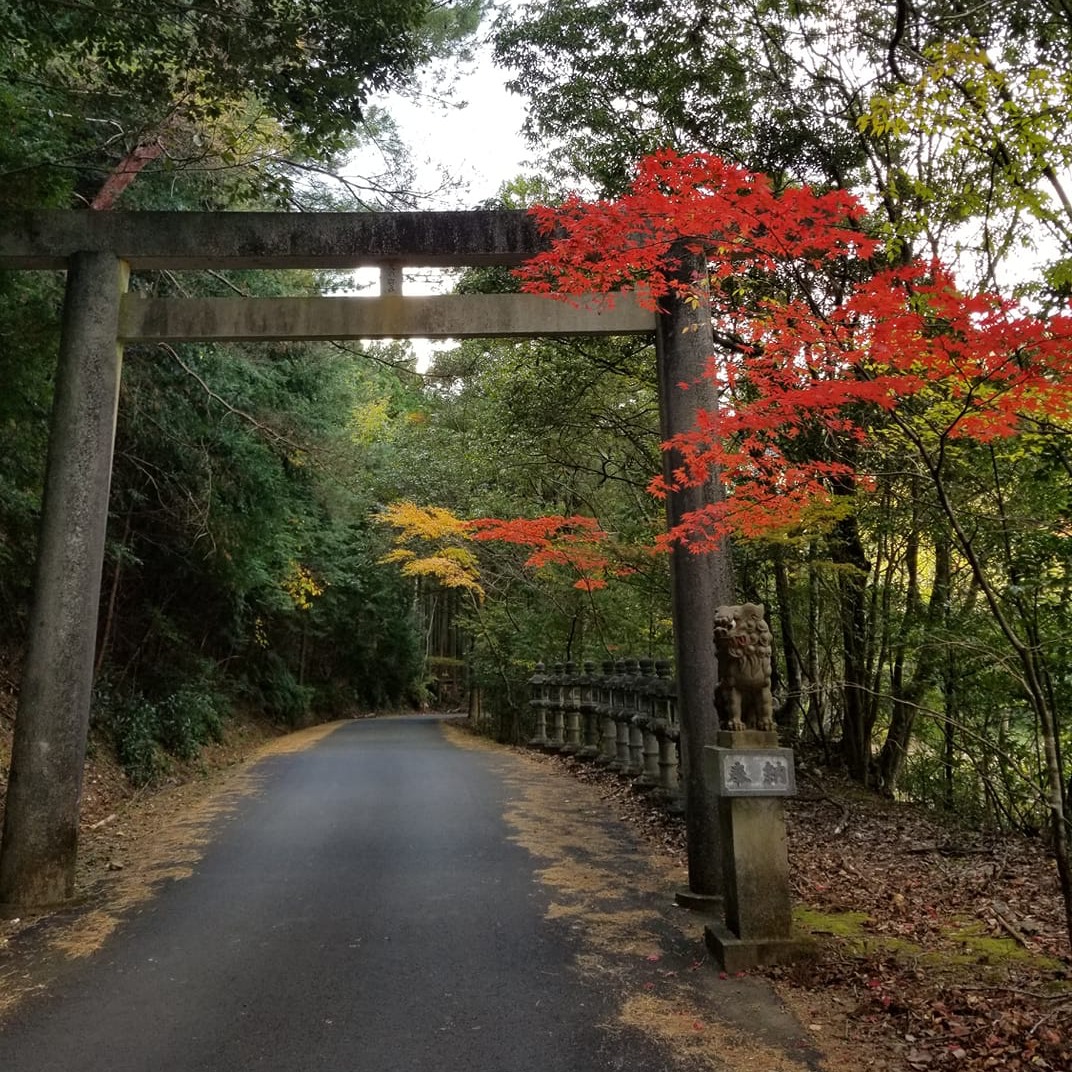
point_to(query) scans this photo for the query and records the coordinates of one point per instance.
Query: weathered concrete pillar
(608, 735)
(557, 706)
(751, 775)
(698, 583)
(589, 686)
(666, 730)
(571, 697)
(37, 862)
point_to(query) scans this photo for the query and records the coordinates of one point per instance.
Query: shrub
(190, 718)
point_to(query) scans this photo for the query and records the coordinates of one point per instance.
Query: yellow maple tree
(430, 541)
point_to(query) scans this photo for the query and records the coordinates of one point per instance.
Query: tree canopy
(252, 90)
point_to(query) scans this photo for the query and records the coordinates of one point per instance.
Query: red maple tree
(817, 334)
(578, 543)
(821, 341)
(816, 331)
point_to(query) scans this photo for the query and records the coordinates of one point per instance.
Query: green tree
(276, 88)
(512, 428)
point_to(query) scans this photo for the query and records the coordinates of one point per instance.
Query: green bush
(276, 690)
(190, 718)
(145, 731)
(131, 721)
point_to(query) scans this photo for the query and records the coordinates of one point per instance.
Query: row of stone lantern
(624, 718)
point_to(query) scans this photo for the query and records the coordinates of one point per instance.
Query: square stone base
(742, 954)
(747, 739)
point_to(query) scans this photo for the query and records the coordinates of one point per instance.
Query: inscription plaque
(755, 772)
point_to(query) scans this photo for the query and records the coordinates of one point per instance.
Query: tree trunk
(951, 714)
(815, 720)
(907, 697)
(847, 551)
(788, 714)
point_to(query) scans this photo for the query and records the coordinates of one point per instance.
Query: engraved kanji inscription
(737, 776)
(775, 773)
(759, 772)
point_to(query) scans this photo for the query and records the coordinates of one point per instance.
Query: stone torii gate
(98, 251)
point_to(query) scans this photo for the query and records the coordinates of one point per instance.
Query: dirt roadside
(939, 947)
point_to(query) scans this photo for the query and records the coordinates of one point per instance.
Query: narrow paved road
(364, 911)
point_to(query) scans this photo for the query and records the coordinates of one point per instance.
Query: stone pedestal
(750, 775)
(708, 904)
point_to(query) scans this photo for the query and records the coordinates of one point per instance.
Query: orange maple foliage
(575, 542)
(817, 335)
(431, 540)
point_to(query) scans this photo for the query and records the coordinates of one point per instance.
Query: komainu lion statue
(743, 645)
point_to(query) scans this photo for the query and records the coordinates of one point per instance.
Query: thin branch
(269, 433)
(898, 35)
(394, 366)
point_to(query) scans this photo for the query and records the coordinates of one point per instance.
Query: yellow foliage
(440, 537)
(368, 421)
(443, 570)
(974, 107)
(462, 556)
(300, 585)
(422, 522)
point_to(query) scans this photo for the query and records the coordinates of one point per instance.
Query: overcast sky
(480, 144)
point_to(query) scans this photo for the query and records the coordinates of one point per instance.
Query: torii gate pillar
(41, 814)
(684, 343)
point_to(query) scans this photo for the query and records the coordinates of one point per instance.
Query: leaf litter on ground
(940, 947)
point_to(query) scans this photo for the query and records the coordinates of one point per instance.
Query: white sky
(479, 145)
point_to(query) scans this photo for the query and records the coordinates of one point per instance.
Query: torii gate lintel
(265, 240)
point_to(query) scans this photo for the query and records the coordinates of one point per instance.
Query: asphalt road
(364, 911)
